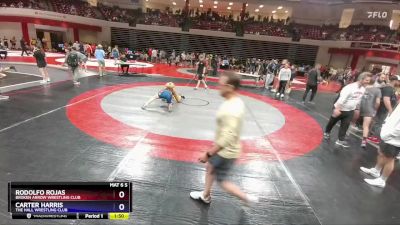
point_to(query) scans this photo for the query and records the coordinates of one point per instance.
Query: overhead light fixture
(215, 2)
(201, 6)
(280, 7)
(200, 1)
(173, 3)
(261, 6)
(247, 4)
(230, 3)
(286, 11)
(256, 10)
(229, 7)
(215, 6)
(274, 11)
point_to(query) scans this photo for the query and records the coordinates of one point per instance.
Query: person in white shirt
(154, 56)
(388, 151)
(221, 157)
(350, 98)
(283, 77)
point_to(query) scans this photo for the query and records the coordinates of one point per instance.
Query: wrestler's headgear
(170, 85)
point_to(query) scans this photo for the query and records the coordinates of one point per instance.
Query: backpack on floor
(73, 60)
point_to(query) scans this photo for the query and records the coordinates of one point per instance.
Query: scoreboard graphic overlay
(73, 200)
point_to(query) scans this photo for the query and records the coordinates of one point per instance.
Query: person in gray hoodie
(388, 150)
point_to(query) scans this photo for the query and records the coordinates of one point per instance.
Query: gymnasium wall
(340, 60)
(238, 47)
(9, 30)
(87, 36)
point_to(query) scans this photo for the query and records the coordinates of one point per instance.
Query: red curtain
(25, 32)
(76, 34)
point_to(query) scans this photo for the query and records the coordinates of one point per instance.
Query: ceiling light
(201, 6)
(229, 7)
(280, 7)
(200, 1)
(215, 2)
(286, 11)
(173, 3)
(230, 3)
(257, 10)
(247, 4)
(261, 6)
(215, 6)
(274, 11)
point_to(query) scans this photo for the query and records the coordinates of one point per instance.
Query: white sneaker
(252, 199)
(344, 144)
(3, 97)
(282, 95)
(373, 172)
(48, 80)
(378, 182)
(76, 83)
(43, 82)
(198, 195)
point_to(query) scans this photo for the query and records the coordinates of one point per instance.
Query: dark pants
(282, 86)
(378, 122)
(125, 68)
(24, 50)
(313, 89)
(345, 118)
(3, 53)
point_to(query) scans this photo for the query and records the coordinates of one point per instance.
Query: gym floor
(97, 132)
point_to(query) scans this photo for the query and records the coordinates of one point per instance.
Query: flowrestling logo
(377, 15)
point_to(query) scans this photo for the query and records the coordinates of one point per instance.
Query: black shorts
(222, 166)
(200, 77)
(388, 150)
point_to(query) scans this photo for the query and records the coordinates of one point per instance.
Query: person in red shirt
(88, 50)
(93, 47)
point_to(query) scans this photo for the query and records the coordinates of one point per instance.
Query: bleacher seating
(211, 20)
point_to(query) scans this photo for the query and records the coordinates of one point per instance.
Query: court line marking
(54, 110)
(30, 74)
(15, 85)
(284, 167)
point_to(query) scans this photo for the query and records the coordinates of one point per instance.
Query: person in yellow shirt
(221, 157)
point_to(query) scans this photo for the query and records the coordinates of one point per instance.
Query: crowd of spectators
(211, 20)
(30, 4)
(79, 8)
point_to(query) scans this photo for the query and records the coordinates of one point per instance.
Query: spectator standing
(350, 97)
(369, 105)
(314, 75)
(24, 48)
(388, 101)
(100, 57)
(41, 63)
(73, 64)
(5, 41)
(283, 77)
(388, 150)
(13, 42)
(115, 54)
(154, 55)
